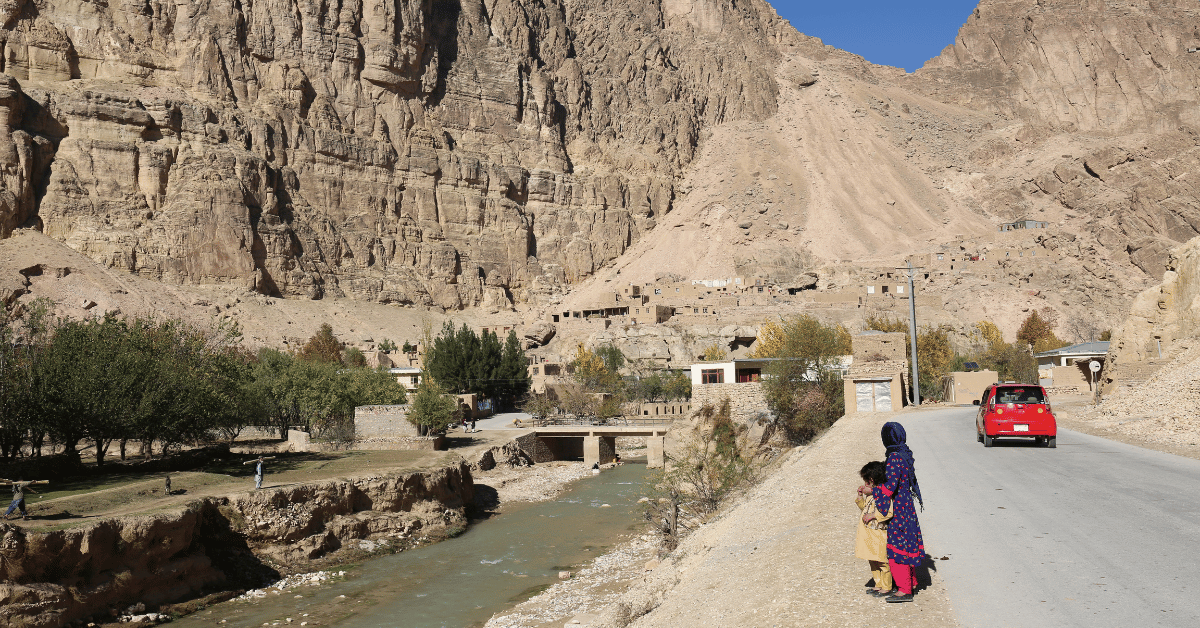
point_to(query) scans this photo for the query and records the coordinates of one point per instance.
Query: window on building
(706, 310)
(658, 291)
(900, 290)
(748, 375)
(712, 376)
(940, 256)
(760, 288)
(535, 369)
(885, 289)
(871, 290)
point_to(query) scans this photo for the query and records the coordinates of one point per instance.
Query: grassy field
(84, 499)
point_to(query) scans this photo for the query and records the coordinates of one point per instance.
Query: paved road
(1094, 533)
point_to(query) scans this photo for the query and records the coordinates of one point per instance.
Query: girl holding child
(905, 547)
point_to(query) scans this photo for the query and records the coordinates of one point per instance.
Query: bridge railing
(621, 421)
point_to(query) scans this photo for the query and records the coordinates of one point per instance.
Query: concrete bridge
(598, 442)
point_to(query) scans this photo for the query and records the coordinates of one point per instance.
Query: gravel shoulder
(1172, 429)
(783, 555)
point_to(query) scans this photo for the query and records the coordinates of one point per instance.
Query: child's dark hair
(873, 472)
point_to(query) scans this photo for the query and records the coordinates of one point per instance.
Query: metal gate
(873, 396)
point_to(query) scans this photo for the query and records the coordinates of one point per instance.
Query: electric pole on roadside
(912, 333)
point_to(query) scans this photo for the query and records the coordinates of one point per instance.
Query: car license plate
(1020, 428)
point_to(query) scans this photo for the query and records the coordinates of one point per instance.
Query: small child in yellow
(871, 543)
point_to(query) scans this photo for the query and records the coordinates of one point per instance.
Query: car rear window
(1029, 394)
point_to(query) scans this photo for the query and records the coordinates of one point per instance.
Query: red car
(1016, 411)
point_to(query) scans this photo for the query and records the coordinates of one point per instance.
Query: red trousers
(905, 577)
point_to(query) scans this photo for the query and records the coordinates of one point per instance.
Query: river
(460, 582)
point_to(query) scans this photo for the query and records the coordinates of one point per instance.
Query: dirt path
(783, 556)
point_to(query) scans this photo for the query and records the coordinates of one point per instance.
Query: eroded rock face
(1167, 314)
(1116, 85)
(1090, 65)
(410, 151)
(54, 578)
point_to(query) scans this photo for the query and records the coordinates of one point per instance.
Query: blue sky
(899, 33)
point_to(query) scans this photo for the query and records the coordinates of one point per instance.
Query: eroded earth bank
(216, 546)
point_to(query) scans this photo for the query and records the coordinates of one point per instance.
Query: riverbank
(781, 555)
(496, 563)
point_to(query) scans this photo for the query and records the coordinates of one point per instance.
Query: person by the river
(167, 481)
(905, 547)
(258, 469)
(18, 488)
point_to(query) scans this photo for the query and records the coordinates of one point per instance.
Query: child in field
(871, 543)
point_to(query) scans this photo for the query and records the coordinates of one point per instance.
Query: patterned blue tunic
(905, 545)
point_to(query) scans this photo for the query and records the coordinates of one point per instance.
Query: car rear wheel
(987, 440)
(1051, 442)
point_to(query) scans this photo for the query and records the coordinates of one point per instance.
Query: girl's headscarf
(894, 439)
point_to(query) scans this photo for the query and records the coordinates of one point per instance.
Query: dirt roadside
(782, 556)
(1147, 430)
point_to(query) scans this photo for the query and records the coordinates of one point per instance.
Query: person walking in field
(18, 488)
(258, 470)
(905, 547)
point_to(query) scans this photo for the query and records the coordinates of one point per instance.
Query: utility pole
(912, 334)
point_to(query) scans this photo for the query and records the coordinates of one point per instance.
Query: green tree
(513, 371)
(677, 386)
(387, 346)
(23, 338)
(353, 356)
(613, 358)
(1012, 362)
(452, 359)
(593, 373)
(803, 388)
(432, 410)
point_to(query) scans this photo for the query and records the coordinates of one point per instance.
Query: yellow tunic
(871, 543)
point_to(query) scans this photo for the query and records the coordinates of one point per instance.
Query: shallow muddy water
(461, 582)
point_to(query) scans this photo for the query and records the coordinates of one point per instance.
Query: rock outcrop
(53, 578)
(420, 151)
(1116, 84)
(1163, 319)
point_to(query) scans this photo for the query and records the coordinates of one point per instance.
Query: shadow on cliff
(444, 33)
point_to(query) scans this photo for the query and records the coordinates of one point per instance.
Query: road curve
(1095, 533)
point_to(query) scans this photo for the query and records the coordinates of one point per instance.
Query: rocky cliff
(1116, 86)
(53, 578)
(434, 152)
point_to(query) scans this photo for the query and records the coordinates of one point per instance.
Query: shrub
(714, 461)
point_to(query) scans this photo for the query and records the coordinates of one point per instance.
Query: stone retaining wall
(403, 443)
(373, 422)
(747, 403)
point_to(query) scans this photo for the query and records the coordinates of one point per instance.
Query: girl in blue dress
(905, 548)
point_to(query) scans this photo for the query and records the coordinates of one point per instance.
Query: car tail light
(1041, 410)
(999, 410)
